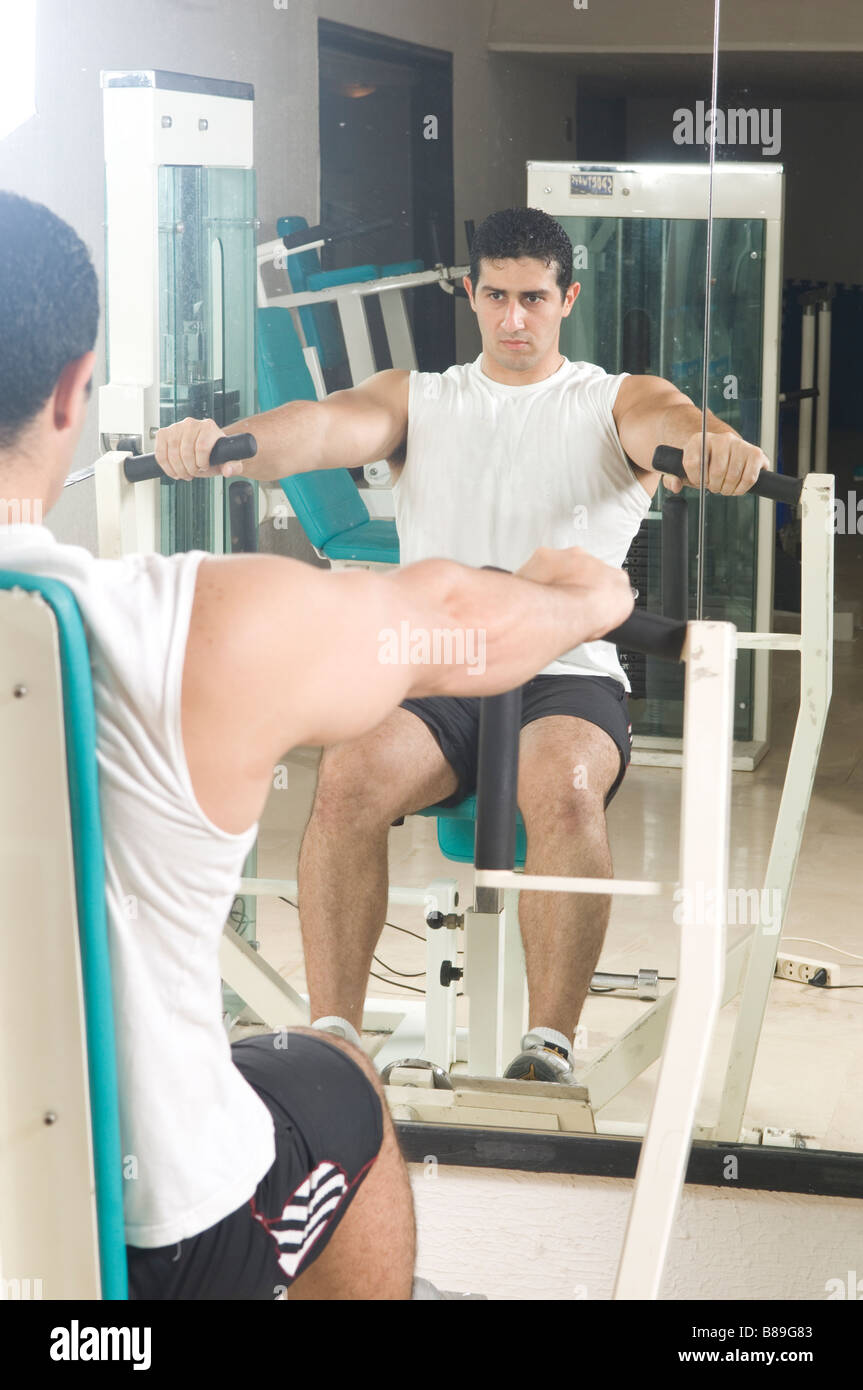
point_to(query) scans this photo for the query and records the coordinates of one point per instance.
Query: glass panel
(207, 327)
(641, 310)
(734, 395)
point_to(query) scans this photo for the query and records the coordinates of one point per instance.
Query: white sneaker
(541, 1061)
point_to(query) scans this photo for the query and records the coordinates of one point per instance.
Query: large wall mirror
(703, 175)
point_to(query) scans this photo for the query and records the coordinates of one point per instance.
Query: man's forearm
(290, 440)
(483, 632)
(680, 422)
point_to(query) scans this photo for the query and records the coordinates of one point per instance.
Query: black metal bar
(675, 557)
(331, 236)
(789, 398)
(497, 780)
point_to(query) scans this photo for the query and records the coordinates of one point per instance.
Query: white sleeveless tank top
(493, 472)
(196, 1138)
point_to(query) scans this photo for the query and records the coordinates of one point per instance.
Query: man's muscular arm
(650, 411)
(347, 430)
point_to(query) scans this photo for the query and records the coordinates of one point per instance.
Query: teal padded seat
(456, 832)
(327, 503)
(361, 274)
(80, 732)
(402, 268)
(351, 275)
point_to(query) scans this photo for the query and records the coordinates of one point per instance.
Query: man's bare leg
(566, 769)
(372, 1253)
(363, 786)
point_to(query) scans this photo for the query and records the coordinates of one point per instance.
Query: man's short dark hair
(49, 308)
(518, 232)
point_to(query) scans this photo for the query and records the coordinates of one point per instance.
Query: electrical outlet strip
(801, 969)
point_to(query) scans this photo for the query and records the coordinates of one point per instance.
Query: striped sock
(551, 1035)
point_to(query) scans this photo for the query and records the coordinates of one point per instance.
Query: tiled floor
(809, 1070)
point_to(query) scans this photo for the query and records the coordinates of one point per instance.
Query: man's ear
(468, 284)
(569, 301)
(71, 393)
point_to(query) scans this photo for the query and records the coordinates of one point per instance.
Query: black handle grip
(652, 634)
(227, 450)
(776, 487)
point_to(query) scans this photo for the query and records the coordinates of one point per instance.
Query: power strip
(801, 970)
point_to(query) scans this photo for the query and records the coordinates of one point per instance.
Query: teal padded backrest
(327, 503)
(283, 374)
(80, 726)
(320, 321)
(306, 263)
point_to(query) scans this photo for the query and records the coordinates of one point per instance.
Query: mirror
(785, 301)
(392, 134)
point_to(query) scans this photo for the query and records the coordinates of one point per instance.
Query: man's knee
(353, 782)
(570, 812)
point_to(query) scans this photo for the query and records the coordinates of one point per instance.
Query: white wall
(504, 113)
(549, 1237)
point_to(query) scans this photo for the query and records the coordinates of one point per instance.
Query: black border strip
(817, 1172)
(178, 82)
(363, 42)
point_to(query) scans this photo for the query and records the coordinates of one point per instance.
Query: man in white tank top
(273, 1165)
(517, 450)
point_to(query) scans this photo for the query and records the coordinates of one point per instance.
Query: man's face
(520, 309)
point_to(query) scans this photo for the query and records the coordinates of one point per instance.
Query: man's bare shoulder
(238, 597)
(241, 611)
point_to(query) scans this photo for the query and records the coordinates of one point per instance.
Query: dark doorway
(387, 156)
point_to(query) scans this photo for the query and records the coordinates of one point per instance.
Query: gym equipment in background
(180, 300)
(180, 286)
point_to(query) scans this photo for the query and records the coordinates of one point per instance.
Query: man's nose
(514, 316)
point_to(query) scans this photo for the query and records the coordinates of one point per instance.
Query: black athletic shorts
(329, 1127)
(454, 721)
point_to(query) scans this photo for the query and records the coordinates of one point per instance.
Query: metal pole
(822, 415)
(807, 381)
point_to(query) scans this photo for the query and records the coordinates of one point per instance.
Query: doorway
(387, 158)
